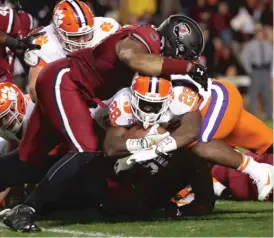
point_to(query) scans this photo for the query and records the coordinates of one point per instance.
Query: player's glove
(26, 42)
(152, 138)
(122, 165)
(140, 156)
(23, 43)
(199, 74)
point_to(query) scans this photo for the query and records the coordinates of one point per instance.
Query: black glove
(199, 74)
(26, 42)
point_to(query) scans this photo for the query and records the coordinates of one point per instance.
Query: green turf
(251, 219)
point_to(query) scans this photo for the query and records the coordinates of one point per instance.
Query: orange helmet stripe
(142, 85)
(164, 87)
(145, 85)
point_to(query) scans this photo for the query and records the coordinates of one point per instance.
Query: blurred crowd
(239, 35)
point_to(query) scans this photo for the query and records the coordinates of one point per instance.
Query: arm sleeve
(148, 37)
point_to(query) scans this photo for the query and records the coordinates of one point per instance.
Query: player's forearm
(156, 65)
(189, 129)
(147, 64)
(184, 135)
(8, 41)
(115, 143)
(116, 147)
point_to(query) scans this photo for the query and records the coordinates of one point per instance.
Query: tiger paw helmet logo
(58, 17)
(106, 26)
(181, 30)
(9, 93)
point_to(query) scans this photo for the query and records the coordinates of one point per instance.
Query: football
(138, 131)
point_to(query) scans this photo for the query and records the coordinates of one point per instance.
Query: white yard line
(72, 232)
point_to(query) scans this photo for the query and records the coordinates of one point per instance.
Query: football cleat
(264, 182)
(19, 218)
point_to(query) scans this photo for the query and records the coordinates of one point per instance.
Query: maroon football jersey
(99, 72)
(9, 23)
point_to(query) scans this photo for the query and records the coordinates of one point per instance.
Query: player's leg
(69, 116)
(239, 186)
(196, 173)
(251, 133)
(222, 112)
(68, 120)
(14, 171)
(219, 152)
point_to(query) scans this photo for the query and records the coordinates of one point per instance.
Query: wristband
(174, 66)
(136, 144)
(166, 145)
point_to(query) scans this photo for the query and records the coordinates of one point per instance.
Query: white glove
(152, 138)
(163, 147)
(143, 155)
(122, 165)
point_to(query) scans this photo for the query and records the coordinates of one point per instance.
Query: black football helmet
(181, 38)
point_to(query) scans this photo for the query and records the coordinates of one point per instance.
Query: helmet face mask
(11, 121)
(183, 38)
(75, 41)
(149, 108)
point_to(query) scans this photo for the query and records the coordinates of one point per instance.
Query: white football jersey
(184, 100)
(51, 48)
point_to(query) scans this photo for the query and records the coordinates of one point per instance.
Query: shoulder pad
(120, 113)
(184, 100)
(148, 37)
(31, 58)
(108, 24)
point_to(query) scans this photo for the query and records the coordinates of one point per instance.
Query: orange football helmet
(12, 110)
(151, 97)
(74, 24)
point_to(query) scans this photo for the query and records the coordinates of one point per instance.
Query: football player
(74, 27)
(15, 109)
(153, 187)
(67, 88)
(218, 116)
